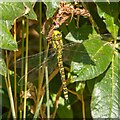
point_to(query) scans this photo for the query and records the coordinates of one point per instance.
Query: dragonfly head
(56, 35)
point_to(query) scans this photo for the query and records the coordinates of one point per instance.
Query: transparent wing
(91, 54)
(36, 62)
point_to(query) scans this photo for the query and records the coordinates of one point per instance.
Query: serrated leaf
(105, 98)
(13, 10)
(7, 23)
(6, 39)
(94, 60)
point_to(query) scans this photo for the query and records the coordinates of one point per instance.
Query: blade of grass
(47, 92)
(40, 42)
(38, 108)
(83, 107)
(15, 83)
(22, 69)
(26, 68)
(40, 88)
(8, 85)
(40, 71)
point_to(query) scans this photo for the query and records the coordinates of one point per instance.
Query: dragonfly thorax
(56, 36)
(57, 40)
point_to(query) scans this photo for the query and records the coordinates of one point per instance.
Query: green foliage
(106, 93)
(110, 14)
(51, 8)
(93, 75)
(2, 66)
(97, 61)
(6, 39)
(11, 11)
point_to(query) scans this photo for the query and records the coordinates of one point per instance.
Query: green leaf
(13, 10)
(70, 37)
(6, 39)
(5, 99)
(51, 8)
(2, 66)
(63, 110)
(110, 8)
(7, 23)
(30, 14)
(105, 98)
(93, 60)
(76, 34)
(110, 14)
(80, 86)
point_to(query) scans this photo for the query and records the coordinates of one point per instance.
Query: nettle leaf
(105, 98)
(92, 61)
(13, 10)
(6, 39)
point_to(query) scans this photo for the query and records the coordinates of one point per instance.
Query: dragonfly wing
(34, 65)
(76, 52)
(33, 60)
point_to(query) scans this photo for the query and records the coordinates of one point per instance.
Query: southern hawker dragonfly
(86, 60)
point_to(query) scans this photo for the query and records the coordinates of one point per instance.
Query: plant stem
(41, 71)
(22, 69)
(26, 68)
(15, 83)
(38, 108)
(47, 92)
(8, 85)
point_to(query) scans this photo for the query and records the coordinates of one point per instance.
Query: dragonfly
(88, 55)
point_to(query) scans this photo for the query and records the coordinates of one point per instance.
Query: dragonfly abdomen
(62, 73)
(58, 45)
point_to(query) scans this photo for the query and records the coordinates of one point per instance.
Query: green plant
(93, 81)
